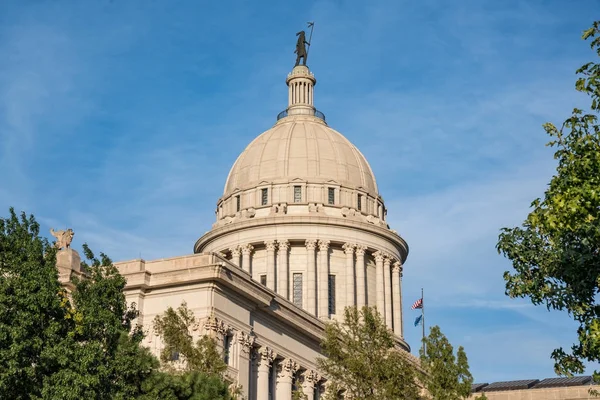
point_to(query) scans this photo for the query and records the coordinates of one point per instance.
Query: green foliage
(52, 347)
(362, 358)
(32, 311)
(190, 385)
(175, 327)
(556, 252)
(447, 376)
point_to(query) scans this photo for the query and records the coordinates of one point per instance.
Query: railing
(317, 114)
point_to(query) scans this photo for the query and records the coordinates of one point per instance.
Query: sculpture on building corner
(301, 50)
(63, 238)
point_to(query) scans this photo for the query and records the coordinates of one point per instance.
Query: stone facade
(557, 393)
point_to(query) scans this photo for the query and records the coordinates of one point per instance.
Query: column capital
(270, 244)
(287, 368)
(397, 267)
(311, 244)
(245, 340)
(266, 355)
(283, 245)
(349, 248)
(387, 259)
(216, 325)
(311, 377)
(379, 256)
(235, 251)
(247, 249)
(323, 245)
(360, 250)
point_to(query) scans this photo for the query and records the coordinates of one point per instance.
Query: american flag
(417, 304)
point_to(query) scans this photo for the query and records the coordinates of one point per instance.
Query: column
(246, 252)
(285, 373)
(311, 277)
(397, 297)
(379, 285)
(349, 251)
(235, 256)
(323, 271)
(308, 385)
(270, 245)
(282, 263)
(244, 344)
(361, 281)
(387, 281)
(266, 359)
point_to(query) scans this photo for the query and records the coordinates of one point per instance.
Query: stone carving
(315, 207)
(216, 325)
(379, 256)
(283, 245)
(270, 245)
(323, 245)
(348, 212)
(348, 248)
(372, 220)
(63, 238)
(360, 250)
(287, 368)
(245, 340)
(397, 268)
(250, 213)
(311, 244)
(266, 355)
(279, 208)
(247, 249)
(311, 377)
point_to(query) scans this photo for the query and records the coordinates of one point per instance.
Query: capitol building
(300, 233)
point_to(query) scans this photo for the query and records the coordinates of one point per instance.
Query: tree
(204, 368)
(555, 254)
(361, 358)
(447, 376)
(32, 308)
(52, 347)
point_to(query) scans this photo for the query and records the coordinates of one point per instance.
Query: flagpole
(423, 318)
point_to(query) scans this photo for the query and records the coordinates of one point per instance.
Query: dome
(305, 148)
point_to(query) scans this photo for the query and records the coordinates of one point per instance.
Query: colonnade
(251, 364)
(352, 289)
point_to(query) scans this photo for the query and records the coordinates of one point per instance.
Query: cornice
(250, 224)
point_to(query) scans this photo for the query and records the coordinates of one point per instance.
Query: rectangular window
(226, 346)
(297, 290)
(263, 280)
(331, 195)
(297, 194)
(264, 196)
(238, 203)
(359, 205)
(331, 289)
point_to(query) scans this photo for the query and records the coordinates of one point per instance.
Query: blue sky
(121, 119)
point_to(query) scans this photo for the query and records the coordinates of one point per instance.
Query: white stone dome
(305, 148)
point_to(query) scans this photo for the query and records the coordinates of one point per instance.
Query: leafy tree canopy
(447, 375)
(362, 359)
(556, 252)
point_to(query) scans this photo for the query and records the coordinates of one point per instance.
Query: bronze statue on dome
(301, 50)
